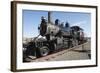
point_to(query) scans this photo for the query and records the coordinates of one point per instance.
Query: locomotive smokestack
(49, 17)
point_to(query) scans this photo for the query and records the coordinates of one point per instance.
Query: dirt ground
(81, 52)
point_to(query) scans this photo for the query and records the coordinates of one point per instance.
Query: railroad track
(57, 54)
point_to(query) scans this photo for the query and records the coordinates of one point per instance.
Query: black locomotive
(57, 36)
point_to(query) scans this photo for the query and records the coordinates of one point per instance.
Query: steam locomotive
(57, 36)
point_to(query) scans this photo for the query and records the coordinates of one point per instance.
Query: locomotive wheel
(75, 43)
(70, 43)
(53, 47)
(43, 51)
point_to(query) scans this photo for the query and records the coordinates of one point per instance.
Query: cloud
(79, 23)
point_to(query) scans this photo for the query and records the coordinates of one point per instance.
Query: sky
(32, 19)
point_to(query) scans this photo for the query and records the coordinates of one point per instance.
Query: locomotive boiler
(57, 36)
